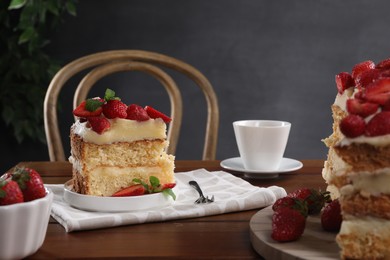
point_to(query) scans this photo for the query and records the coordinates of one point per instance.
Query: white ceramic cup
(261, 143)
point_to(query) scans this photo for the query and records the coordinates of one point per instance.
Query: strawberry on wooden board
(136, 112)
(361, 108)
(379, 124)
(362, 67)
(99, 124)
(10, 192)
(315, 199)
(344, 81)
(89, 107)
(115, 109)
(287, 224)
(153, 113)
(30, 182)
(134, 190)
(353, 126)
(290, 202)
(331, 217)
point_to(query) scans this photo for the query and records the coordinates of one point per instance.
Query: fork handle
(197, 187)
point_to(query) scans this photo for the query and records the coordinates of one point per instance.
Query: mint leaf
(169, 192)
(93, 104)
(146, 186)
(110, 95)
(155, 182)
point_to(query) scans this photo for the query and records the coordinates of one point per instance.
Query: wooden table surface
(223, 236)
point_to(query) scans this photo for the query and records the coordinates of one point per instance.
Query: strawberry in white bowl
(25, 206)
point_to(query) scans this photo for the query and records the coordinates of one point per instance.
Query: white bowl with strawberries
(25, 206)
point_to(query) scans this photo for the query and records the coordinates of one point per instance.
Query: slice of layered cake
(113, 144)
(358, 164)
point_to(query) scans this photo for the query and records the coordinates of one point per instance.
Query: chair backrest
(104, 63)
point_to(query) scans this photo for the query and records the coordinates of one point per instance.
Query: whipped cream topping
(123, 130)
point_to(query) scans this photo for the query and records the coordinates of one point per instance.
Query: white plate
(236, 164)
(116, 204)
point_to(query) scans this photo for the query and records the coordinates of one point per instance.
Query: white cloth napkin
(231, 194)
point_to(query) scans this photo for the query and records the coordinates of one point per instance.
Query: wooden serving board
(314, 243)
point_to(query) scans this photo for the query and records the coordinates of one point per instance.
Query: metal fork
(202, 198)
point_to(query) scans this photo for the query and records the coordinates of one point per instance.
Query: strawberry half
(99, 124)
(153, 113)
(344, 81)
(134, 190)
(367, 77)
(361, 108)
(10, 192)
(362, 67)
(379, 124)
(115, 109)
(385, 64)
(30, 182)
(352, 126)
(378, 92)
(88, 108)
(136, 112)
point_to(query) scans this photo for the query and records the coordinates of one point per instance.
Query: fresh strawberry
(362, 67)
(30, 182)
(10, 192)
(153, 113)
(344, 81)
(136, 112)
(88, 108)
(361, 108)
(289, 202)
(168, 186)
(287, 224)
(352, 126)
(385, 64)
(367, 77)
(115, 109)
(134, 190)
(99, 124)
(378, 92)
(331, 216)
(315, 199)
(379, 124)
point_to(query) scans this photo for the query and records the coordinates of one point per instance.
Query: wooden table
(215, 237)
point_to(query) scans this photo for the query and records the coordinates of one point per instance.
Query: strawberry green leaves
(156, 186)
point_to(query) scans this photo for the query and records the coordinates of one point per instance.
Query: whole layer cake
(358, 164)
(113, 144)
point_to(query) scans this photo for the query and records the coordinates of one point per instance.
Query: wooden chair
(105, 63)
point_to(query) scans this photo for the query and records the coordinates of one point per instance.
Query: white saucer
(236, 164)
(115, 204)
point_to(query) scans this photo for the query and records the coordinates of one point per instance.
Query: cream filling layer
(363, 226)
(123, 130)
(372, 182)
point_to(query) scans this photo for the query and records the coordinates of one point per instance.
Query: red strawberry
(287, 224)
(136, 112)
(153, 113)
(89, 107)
(344, 81)
(168, 186)
(378, 92)
(315, 199)
(99, 124)
(385, 64)
(331, 216)
(10, 192)
(361, 108)
(379, 124)
(289, 202)
(367, 77)
(115, 109)
(352, 126)
(134, 190)
(30, 182)
(361, 67)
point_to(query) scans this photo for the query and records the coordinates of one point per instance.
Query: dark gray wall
(265, 59)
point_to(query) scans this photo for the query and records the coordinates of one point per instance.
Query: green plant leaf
(27, 35)
(16, 4)
(154, 181)
(169, 192)
(71, 8)
(93, 104)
